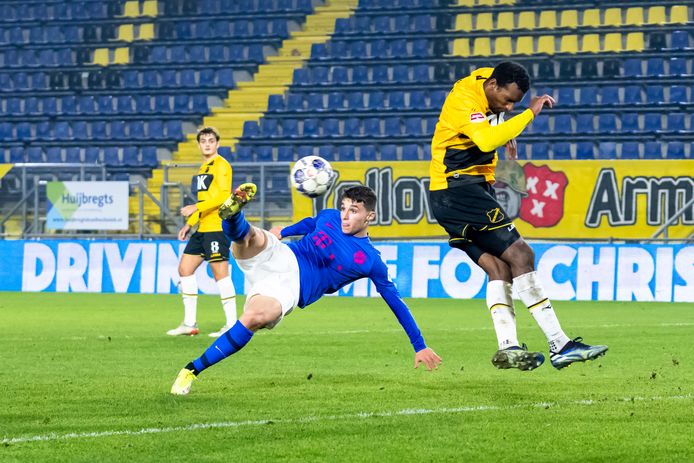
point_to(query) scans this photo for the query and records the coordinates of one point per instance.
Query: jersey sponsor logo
(477, 117)
(359, 257)
(544, 205)
(203, 181)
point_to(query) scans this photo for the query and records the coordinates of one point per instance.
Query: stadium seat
(680, 40)
(392, 127)
(73, 155)
(563, 123)
(655, 67)
(174, 130)
(92, 155)
(155, 129)
(327, 152)
(609, 95)
(540, 125)
(588, 96)
(655, 94)
(678, 67)
(376, 101)
(388, 152)
(632, 67)
(630, 150)
(285, 153)
(290, 128)
(632, 94)
(675, 150)
(372, 127)
(653, 150)
(561, 151)
(566, 96)
(540, 150)
(607, 122)
(367, 153)
(652, 122)
(347, 153)
(311, 127)
(676, 123)
(331, 127)
(607, 150)
(630, 122)
(678, 94)
(584, 150)
(584, 123)
(269, 128)
(410, 152)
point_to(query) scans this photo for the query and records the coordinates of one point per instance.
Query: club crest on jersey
(477, 117)
(203, 182)
(495, 215)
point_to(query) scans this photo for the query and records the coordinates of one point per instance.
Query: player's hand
(428, 357)
(190, 209)
(539, 102)
(512, 150)
(183, 232)
(277, 231)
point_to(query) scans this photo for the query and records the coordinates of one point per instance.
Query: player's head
(358, 208)
(506, 86)
(208, 140)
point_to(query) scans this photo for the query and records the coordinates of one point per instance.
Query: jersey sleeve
(221, 185)
(390, 294)
(465, 118)
(193, 219)
(302, 227)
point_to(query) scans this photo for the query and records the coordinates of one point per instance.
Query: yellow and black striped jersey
(213, 183)
(463, 149)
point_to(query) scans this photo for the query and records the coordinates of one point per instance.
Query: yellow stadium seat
(656, 15)
(591, 43)
(486, 2)
(548, 19)
(466, 2)
(679, 14)
(591, 18)
(121, 56)
(149, 8)
(526, 20)
(463, 22)
(502, 46)
(634, 16)
(545, 44)
(569, 19)
(483, 22)
(131, 9)
(613, 17)
(504, 21)
(506, 2)
(482, 47)
(461, 47)
(569, 44)
(101, 56)
(613, 42)
(125, 32)
(146, 32)
(524, 45)
(634, 42)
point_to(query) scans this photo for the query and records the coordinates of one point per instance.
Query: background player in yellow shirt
(208, 243)
(469, 130)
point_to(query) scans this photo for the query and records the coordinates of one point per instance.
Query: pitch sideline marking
(314, 419)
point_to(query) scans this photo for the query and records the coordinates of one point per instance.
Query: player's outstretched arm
(428, 357)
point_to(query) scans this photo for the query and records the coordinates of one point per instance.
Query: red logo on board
(544, 205)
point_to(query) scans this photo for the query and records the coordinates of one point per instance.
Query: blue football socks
(227, 344)
(236, 227)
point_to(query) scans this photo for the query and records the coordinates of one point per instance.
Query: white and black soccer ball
(312, 176)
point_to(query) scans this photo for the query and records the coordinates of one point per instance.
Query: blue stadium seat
(379, 74)
(653, 150)
(437, 98)
(388, 152)
(367, 153)
(655, 67)
(169, 78)
(655, 94)
(680, 40)
(295, 102)
(263, 154)
(392, 126)
(607, 150)
(162, 104)
(150, 79)
(80, 130)
(290, 128)
(676, 122)
(609, 95)
(143, 104)
(319, 75)
(327, 152)
(376, 100)
(61, 131)
(87, 104)
(187, 78)
(23, 131)
(174, 130)
(17, 155)
(131, 79)
(402, 23)
(632, 67)
(207, 78)
(420, 48)
(136, 130)
(305, 150)
(410, 152)
(149, 156)
(413, 127)
(561, 150)
(331, 127)
(540, 150)
(357, 49)
(678, 67)
(314, 101)
(269, 128)
(72, 154)
(352, 128)
(584, 150)
(104, 104)
(155, 129)
(244, 153)
(430, 126)
(418, 100)
(181, 103)
(540, 125)
(311, 127)
(632, 94)
(285, 153)
(584, 123)
(34, 154)
(652, 122)
(14, 107)
(336, 101)
(275, 103)
(675, 150)
(396, 100)
(118, 130)
(607, 122)
(360, 74)
(339, 75)
(92, 155)
(111, 156)
(420, 73)
(98, 130)
(124, 104)
(566, 96)
(401, 74)
(563, 123)
(199, 104)
(131, 157)
(347, 153)
(588, 95)
(372, 127)
(678, 94)
(5, 131)
(398, 48)
(630, 122)
(381, 24)
(630, 150)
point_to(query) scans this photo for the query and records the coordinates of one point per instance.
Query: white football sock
(189, 291)
(533, 296)
(228, 295)
(500, 303)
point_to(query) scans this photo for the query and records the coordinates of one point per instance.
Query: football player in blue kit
(335, 250)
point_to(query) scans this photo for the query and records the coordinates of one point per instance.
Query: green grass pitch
(87, 377)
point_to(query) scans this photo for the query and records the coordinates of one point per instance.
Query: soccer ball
(312, 176)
